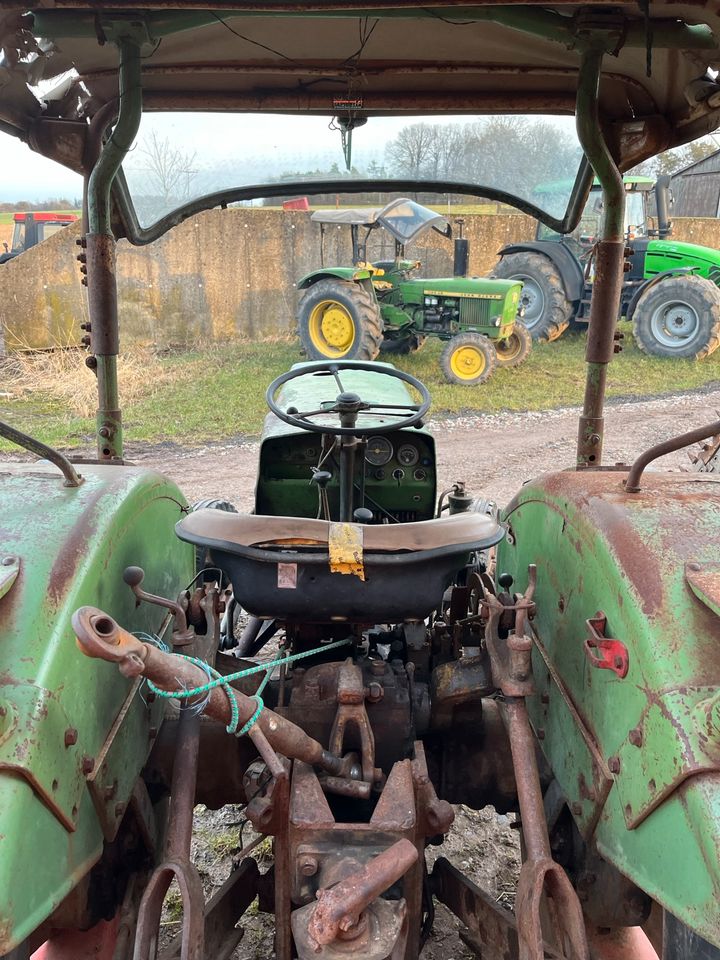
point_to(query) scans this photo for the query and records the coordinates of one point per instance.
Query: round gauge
(379, 451)
(408, 455)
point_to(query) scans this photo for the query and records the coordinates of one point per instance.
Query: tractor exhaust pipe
(662, 201)
(461, 252)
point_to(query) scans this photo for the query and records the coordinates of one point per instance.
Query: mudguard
(637, 756)
(568, 266)
(337, 273)
(67, 768)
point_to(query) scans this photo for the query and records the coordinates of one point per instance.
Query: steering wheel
(349, 406)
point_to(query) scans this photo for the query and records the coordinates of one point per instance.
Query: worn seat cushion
(215, 528)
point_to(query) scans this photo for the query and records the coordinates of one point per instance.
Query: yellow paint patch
(345, 543)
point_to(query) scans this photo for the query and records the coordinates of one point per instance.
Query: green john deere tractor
(356, 312)
(670, 291)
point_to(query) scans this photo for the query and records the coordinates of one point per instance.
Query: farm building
(696, 188)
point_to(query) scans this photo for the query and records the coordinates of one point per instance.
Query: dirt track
(493, 454)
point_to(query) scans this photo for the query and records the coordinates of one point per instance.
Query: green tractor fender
(567, 265)
(358, 274)
(627, 698)
(69, 767)
(652, 282)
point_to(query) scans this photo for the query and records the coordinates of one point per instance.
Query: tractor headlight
(498, 321)
(431, 301)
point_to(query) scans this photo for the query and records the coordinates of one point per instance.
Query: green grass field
(218, 393)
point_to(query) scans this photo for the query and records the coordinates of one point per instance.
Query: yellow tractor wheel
(512, 351)
(468, 359)
(340, 319)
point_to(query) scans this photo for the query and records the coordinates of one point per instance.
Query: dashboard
(395, 476)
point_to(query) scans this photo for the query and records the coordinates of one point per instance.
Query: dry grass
(61, 375)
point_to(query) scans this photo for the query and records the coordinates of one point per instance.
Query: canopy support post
(100, 247)
(609, 261)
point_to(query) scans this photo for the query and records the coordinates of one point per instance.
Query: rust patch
(74, 548)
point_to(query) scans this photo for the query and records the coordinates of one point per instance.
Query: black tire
(356, 327)
(471, 367)
(514, 351)
(682, 943)
(403, 347)
(547, 309)
(678, 317)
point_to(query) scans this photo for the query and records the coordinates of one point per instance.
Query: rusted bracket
(604, 652)
(222, 935)
(510, 658)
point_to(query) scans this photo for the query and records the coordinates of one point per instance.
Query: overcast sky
(264, 146)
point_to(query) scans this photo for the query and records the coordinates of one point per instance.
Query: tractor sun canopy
(403, 219)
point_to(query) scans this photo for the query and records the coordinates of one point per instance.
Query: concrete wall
(221, 274)
(225, 274)
(702, 230)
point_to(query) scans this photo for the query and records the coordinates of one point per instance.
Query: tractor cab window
(47, 229)
(583, 238)
(18, 240)
(635, 220)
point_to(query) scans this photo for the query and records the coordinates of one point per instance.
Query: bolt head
(635, 737)
(308, 866)
(8, 561)
(614, 764)
(88, 764)
(71, 737)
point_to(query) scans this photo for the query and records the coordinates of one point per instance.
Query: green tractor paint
(357, 312)
(68, 771)
(670, 293)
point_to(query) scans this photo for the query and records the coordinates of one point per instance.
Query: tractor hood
(666, 254)
(467, 287)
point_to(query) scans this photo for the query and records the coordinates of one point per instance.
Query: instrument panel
(394, 475)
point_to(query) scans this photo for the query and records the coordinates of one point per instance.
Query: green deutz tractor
(399, 651)
(670, 293)
(357, 312)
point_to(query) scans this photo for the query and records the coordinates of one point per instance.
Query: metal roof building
(696, 188)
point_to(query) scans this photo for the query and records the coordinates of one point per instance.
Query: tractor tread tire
(478, 341)
(365, 312)
(522, 333)
(703, 296)
(558, 309)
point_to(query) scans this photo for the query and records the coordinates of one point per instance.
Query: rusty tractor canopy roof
(285, 56)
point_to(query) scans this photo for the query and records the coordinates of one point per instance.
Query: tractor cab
(29, 229)
(345, 528)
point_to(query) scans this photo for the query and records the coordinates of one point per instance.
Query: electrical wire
(250, 40)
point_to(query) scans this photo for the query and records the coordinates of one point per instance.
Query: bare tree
(170, 171)
(411, 151)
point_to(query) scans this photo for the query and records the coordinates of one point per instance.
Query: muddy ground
(494, 455)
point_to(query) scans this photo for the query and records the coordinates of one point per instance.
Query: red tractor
(32, 228)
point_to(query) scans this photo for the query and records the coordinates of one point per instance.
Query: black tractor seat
(294, 568)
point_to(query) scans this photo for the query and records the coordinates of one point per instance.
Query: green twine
(218, 680)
